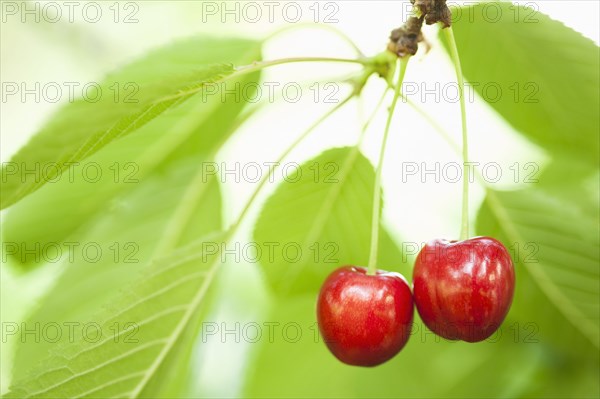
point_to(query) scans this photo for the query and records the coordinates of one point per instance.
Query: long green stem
(310, 25)
(196, 188)
(259, 65)
(434, 123)
(282, 157)
(363, 131)
(464, 230)
(376, 216)
(444, 134)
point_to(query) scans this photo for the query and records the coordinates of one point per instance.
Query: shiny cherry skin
(364, 319)
(463, 289)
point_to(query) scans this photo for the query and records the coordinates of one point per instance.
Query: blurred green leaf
(194, 131)
(143, 331)
(562, 377)
(556, 244)
(126, 101)
(293, 362)
(169, 202)
(541, 76)
(320, 219)
(132, 231)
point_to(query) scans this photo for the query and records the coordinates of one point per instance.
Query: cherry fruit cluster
(462, 290)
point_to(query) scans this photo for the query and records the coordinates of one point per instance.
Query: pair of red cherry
(462, 290)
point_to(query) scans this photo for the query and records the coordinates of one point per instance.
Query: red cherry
(364, 319)
(463, 289)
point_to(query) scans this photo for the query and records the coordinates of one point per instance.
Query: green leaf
(165, 211)
(320, 219)
(194, 130)
(169, 203)
(547, 74)
(144, 329)
(146, 89)
(555, 240)
(306, 368)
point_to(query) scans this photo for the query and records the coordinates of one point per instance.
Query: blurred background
(79, 51)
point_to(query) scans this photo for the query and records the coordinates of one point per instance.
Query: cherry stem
(258, 65)
(282, 157)
(371, 117)
(464, 229)
(309, 25)
(376, 216)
